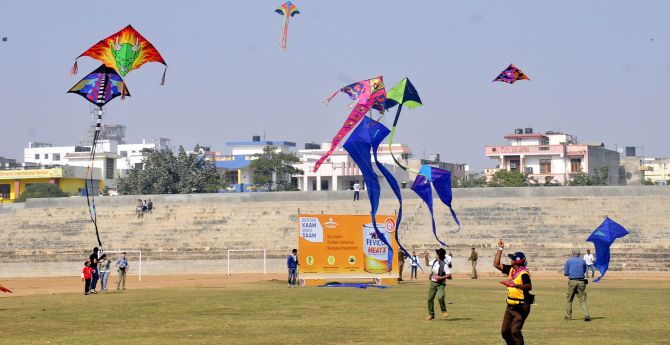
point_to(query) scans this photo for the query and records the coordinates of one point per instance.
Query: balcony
(537, 150)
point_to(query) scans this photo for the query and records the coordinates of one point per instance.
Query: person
(138, 209)
(473, 258)
(93, 258)
(590, 263)
(357, 190)
(575, 270)
(150, 205)
(292, 264)
(86, 275)
(519, 298)
(103, 271)
(145, 206)
(439, 272)
(122, 264)
(401, 264)
(450, 257)
(414, 263)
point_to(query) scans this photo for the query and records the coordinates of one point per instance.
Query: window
(56, 156)
(109, 168)
(544, 148)
(494, 149)
(46, 156)
(575, 165)
(514, 165)
(545, 166)
(123, 153)
(37, 156)
(4, 191)
(139, 166)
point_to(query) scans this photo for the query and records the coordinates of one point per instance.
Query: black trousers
(513, 320)
(357, 196)
(87, 284)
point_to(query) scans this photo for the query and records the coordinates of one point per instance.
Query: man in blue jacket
(575, 270)
(292, 264)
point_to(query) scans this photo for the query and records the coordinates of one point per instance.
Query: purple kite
(510, 75)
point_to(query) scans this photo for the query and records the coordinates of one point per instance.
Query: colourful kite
(124, 51)
(510, 75)
(101, 86)
(602, 239)
(403, 94)
(286, 10)
(367, 94)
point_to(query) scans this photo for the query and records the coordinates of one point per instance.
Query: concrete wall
(192, 233)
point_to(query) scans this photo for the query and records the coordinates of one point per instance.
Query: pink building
(553, 154)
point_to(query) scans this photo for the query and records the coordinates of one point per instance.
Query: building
(7, 163)
(70, 179)
(656, 170)
(339, 171)
(552, 156)
(457, 170)
(236, 166)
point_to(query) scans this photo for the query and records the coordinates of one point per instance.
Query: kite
(124, 51)
(403, 94)
(101, 86)
(367, 94)
(286, 10)
(98, 87)
(440, 179)
(510, 75)
(602, 239)
(365, 138)
(4, 289)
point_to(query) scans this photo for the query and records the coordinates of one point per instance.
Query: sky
(599, 70)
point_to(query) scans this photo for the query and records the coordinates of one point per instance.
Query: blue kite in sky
(602, 239)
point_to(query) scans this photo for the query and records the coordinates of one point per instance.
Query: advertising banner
(346, 246)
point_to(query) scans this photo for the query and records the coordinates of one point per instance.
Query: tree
(41, 190)
(472, 182)
(648, 182)
(163, 173)
(599, 178)
(506, 178)
(271, 168)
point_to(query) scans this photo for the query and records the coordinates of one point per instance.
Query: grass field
(623, 312)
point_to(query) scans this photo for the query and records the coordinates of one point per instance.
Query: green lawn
(623, 312)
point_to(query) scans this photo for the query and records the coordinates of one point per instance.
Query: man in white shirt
(440, 270)
(590, 260)
(357, 190)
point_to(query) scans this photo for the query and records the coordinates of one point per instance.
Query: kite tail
(74, 68)
(422, 188)
(90, 199)
(284, 34)
(162, 79)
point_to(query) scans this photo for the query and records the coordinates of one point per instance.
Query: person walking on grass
(519, 298)
(86, 275)
(122, 264)
(103, 271)
(292, 265)
(439, 272)
(401, 264)
(575, 270)
(473, 258)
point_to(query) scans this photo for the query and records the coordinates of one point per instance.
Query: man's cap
(517, 257)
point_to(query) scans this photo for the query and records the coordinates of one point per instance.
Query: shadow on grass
(458, 319)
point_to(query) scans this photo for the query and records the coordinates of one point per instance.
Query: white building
(339, 171)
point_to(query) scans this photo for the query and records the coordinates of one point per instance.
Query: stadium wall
(192, 233)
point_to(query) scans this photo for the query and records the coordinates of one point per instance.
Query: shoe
(445, 315)
(85, 293)
(92, 291)
(587, 318)
(429, 317)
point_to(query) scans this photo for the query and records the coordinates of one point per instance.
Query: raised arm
(496, 259)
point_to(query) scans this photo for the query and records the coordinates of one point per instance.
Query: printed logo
(330, 224)
(389, 224)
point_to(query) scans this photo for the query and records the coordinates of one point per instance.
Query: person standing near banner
(518, 297)
(401, 264)
(439, 272)
(414, 264)
(292, 264)
(357, 191)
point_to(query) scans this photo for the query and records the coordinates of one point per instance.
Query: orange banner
(345, 246)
